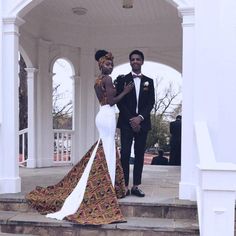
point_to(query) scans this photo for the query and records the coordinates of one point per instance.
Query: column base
(45, 162)
(187, 191)
(31, 163)
(10, 185)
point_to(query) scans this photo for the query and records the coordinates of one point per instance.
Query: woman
(88, 193)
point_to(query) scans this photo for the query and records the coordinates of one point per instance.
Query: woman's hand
(128, 87)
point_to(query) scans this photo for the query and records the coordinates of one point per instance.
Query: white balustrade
(63, 146)
(23, 146)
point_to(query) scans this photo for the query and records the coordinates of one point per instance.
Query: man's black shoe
(137, 192)
(127, 193)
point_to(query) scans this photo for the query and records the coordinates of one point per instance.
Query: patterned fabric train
(99, 205)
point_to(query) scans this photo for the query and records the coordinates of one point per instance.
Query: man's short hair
(179, 117)
(137, 52)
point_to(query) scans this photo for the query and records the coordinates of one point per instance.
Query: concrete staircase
(143, 219)
(159, 213)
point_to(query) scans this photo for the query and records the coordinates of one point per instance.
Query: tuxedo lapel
(141, 88)
(132, 93)
(130, 79)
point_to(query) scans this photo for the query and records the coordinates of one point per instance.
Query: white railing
(63, 148)
(23, 146)
(216, 188)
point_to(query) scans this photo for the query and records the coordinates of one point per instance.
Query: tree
(23, 95)
(62, 114)
(163, 110)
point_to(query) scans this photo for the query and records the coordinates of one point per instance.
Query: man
(160, 159)
(134, 119)
(175, 142)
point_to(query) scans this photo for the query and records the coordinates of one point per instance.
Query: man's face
(136, 63)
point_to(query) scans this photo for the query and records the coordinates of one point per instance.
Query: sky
(63, 72)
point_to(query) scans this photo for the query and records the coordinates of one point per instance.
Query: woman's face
(107, 67)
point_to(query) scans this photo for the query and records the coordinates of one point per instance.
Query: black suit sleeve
(120, 82)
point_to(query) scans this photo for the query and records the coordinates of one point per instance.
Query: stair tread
(134, 223)
(126, 202)
(9, 234)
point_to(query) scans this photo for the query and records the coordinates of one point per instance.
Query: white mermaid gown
(106, 125)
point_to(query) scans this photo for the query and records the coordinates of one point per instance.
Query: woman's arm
(111, 91)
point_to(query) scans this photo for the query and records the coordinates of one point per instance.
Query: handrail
(205, 150)
(216, 182)
(64, 130)
(22, 131)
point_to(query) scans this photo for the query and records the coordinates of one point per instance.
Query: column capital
(75, 79)
(31, 71)
(11, 25)
(188, 16)
(13, 20)
(51, 74)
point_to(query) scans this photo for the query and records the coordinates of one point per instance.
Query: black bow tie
(136, 76)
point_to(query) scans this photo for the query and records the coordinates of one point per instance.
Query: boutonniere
(145, 85)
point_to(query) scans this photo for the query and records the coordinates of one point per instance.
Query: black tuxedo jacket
(175, 130)
(128, 103)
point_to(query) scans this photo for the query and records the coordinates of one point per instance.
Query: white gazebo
(197, 38)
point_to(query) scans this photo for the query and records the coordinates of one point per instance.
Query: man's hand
(136, 129)
(135, 123)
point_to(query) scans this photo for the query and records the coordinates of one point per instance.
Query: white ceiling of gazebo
(105, 12)
(152, 23)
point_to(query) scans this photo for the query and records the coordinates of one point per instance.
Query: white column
(87, 128)
(10, 181)
(77, 139)
(215, 85)
(1, 53)
(32, 101)
(44, 107)
(188, 155)
(226, 81)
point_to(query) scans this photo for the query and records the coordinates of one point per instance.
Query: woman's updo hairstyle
(101, 56)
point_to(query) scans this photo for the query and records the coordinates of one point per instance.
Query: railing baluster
(67, 153)
(57, 159)
(63, 147)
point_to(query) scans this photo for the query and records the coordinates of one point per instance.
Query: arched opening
(62, 109)
(168, 103)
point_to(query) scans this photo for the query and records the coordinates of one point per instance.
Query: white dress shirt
(137, 82)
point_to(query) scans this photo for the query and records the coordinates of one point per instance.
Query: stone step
(159, 210)
(178, 210)
(9, 234)
(36, 224)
